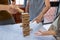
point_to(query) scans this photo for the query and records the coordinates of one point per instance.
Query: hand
(15, 9)
(11, 9)
(40, 33)
(38, 19)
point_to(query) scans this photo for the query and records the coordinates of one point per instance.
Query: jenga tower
(25, 25)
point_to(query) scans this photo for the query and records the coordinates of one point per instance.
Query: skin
(45, 33)
(8, 8)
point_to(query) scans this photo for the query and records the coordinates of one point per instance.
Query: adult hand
(38, 19)
(40, 33)
(12, 9)
(45, 33)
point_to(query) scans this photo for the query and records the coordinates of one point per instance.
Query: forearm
(4, 7)
(44, 11)
(51, 32)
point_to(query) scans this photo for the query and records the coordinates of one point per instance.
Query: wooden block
(25, 25)
(26, 28)
(25, 14)
(25, 17)
(26, 33)
(25, 20)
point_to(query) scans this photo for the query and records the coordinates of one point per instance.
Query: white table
(14, 32)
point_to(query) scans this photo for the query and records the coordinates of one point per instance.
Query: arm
(4, 7)
(51, 31)
(10, 8)
(45, 9)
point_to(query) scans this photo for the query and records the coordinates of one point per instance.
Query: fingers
(38, 33)
(12, 10)
(37, 20)
(15, 7)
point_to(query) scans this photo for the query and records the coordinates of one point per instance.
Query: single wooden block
(23, 20)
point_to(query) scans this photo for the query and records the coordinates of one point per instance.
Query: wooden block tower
(25, 24)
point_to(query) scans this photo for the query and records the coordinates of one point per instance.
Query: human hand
(16, 8)
(38, 19)
(12, 9)
(40, 33)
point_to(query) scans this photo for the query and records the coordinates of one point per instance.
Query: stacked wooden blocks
(25, 24)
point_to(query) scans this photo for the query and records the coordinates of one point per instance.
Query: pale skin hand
(45, 9)
(10, 8)
(40, 33)
(15, 8)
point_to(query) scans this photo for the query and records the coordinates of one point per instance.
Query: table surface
(14, 32)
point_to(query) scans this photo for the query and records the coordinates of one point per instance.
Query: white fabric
(47, 26)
